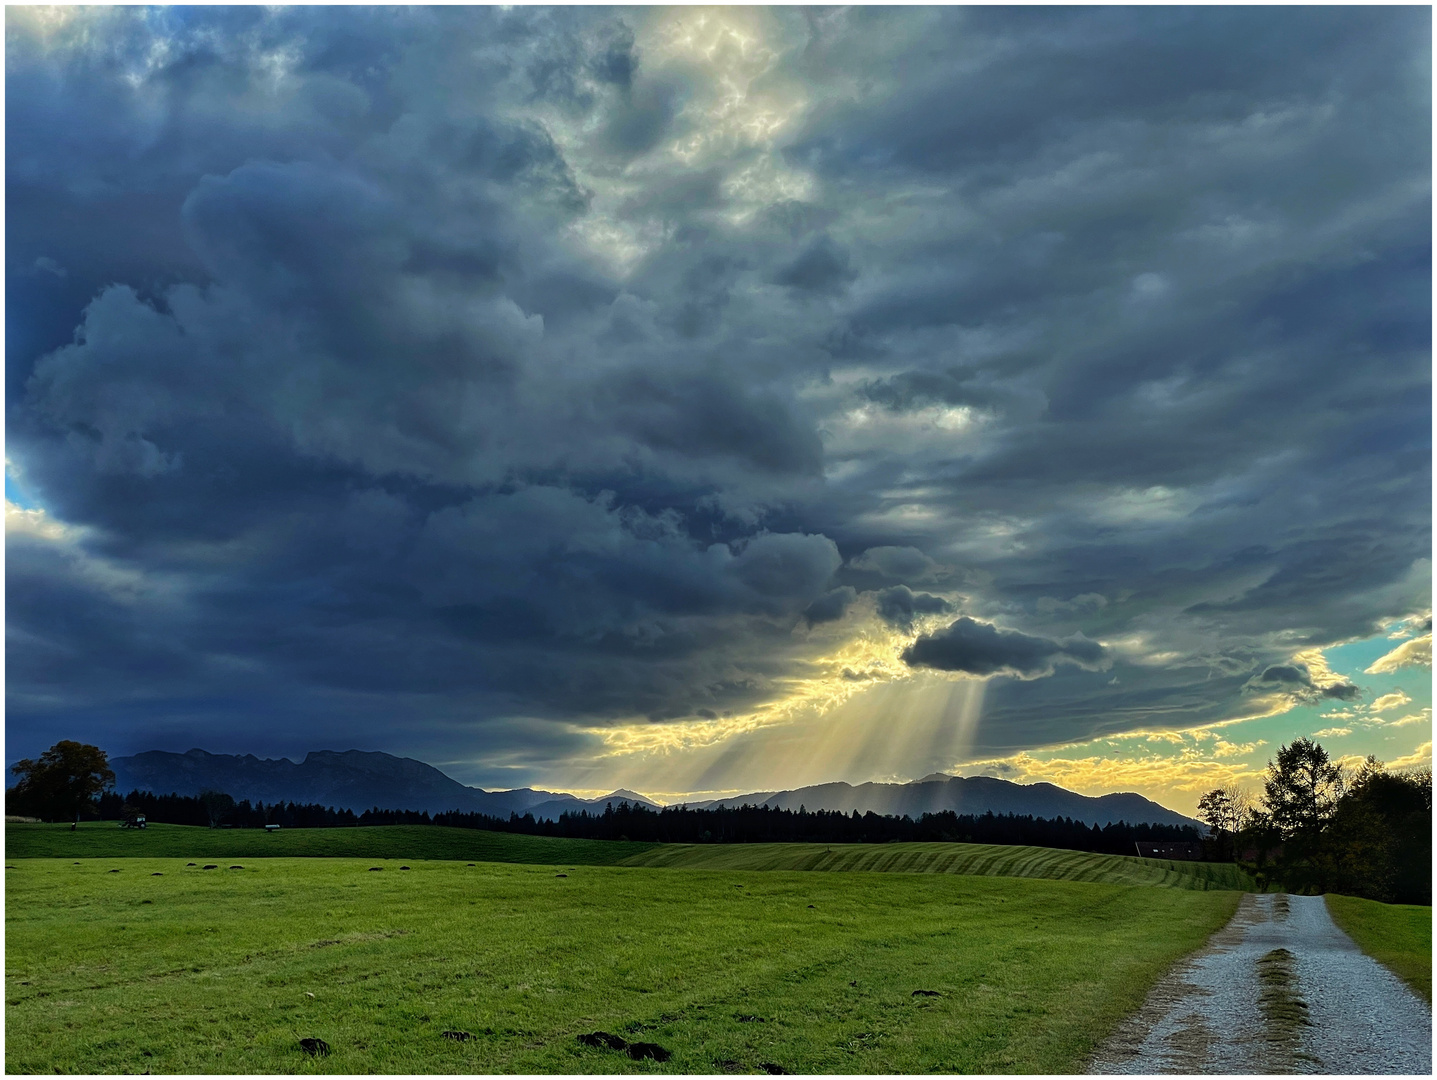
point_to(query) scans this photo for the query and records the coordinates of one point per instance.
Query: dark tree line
(1321, 828)
(202, 810)
(673, 824)
(763, 824)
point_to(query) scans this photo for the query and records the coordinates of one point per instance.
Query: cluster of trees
(1321, 827)
(215, 808)
(62, 784)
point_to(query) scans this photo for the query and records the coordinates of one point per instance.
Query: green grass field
(224, 970)
(989, 860)
(101, 839)
(95, 839)
(1399, 936)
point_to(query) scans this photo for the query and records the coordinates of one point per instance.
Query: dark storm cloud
(705, 414)
(822, 266)
(977, 648)
(1296, 679)
(481, 375)
(831, 606)
(900, 605)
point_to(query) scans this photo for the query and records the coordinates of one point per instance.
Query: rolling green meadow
(120, 957)
(988, 860)
(100, 838)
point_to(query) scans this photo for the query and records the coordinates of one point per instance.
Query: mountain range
(966, 795)
(346, 779)
(360, 779)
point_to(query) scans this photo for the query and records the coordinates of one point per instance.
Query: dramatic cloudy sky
(722, 400)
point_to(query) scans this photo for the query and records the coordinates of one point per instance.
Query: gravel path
(1280, 989)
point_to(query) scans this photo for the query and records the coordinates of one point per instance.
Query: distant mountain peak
(629, 796)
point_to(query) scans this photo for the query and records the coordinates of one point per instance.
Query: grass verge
(110, 969)
(1397, 936)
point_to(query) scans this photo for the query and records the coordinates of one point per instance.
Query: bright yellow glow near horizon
(903, 724)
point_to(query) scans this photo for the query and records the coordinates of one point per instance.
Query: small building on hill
(1172, 850)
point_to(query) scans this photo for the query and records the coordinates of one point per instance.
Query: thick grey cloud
(470, 378)
(1296, 679)
(900, 605)
(978, 648)
(831, 606)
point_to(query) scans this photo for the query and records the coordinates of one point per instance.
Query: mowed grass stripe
(728, 970)
(103, 839)
(990, 860)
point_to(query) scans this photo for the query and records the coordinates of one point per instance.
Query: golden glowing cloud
(1414, 653)
(1419, 758)
(1423, 717)
(1389, 701)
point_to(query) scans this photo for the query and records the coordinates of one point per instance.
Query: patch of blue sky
(15, 493)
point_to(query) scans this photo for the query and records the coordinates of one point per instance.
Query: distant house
(1174, 850)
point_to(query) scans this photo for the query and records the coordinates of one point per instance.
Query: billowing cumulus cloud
(479, 383)
(976, 648)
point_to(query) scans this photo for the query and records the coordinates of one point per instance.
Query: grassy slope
(1398, 936)
(101, 840)
(726, 969)
(984, 859)
(97, 839)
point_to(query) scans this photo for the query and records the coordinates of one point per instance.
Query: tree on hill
(1225, 811)
(62, 781)
(1302, 789)
(217, 804)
